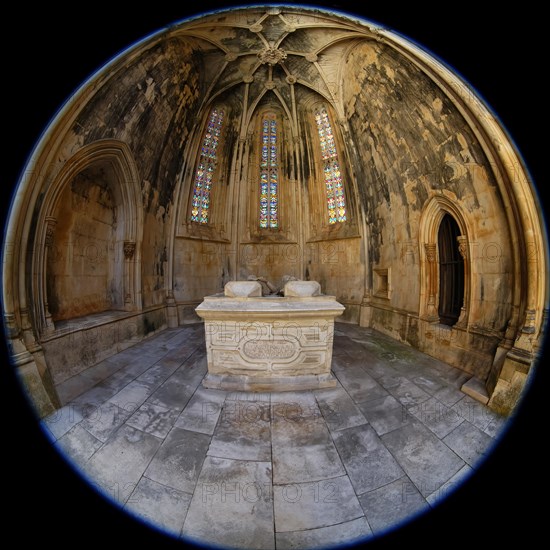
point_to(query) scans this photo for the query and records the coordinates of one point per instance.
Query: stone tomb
(269, 343)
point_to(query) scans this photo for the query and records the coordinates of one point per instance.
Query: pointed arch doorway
(451, 272)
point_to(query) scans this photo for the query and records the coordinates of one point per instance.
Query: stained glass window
(336, 200)
(269, 174)
(200, 203)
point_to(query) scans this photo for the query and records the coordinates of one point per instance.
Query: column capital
(430, 249)
(129, 249)
(51, 222)
(462, 241)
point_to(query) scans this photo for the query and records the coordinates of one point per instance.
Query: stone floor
(308, 469)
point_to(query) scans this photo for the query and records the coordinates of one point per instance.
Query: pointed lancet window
(336, 201)
(200, 203)
(269, 174)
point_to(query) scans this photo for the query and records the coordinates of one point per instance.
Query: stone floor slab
(300, 506)
(179, 460)
(301, 399)
(427, 461)
(117, 467)
(116, 362)
(378, 368)
(408, 393)
(159, 505)
(192, 371)
(392, 504)
(158, 373)
(475, 413)
(153, 419)
(202, 411)
(232, 505)
(381, 443)
(348, 341)
(118, 380)
(367, 461)
(430, 384)
(448, 395)
(103, 421)
(87, 402)
(350, 532)
(73, 387)
(496, 427)
(385, 414)
(449, 486)
(469, 442)
(392, 380)
(243, 431)
(102, 370)
(171, 395)
(438, 418)
(338, 409)
(132, 396)
(411, 367)
(302, 449)
(79, 445)
(137, 365)
(359, 385)
(452, 375)
(58, 423)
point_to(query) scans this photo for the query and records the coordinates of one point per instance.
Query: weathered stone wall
(410, 144)
(76, 346)
(339, 266)
(270, 260)
(150, 104)
(201, 268)
(80, 269)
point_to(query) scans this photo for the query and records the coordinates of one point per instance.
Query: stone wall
(77, 345)
(411, 144)
(339, 266)
(81, 263)
(200, 268)
(150, 104)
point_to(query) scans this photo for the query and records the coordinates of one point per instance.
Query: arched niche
(89, 236)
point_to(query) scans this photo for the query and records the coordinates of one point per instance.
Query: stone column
(365, 315)
(431, 257)
(51, 222)
(129, 250)
(529, 324)
(171, 310)
(19, 353)
(463, 249)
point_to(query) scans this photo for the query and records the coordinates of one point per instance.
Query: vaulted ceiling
(292, 54)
